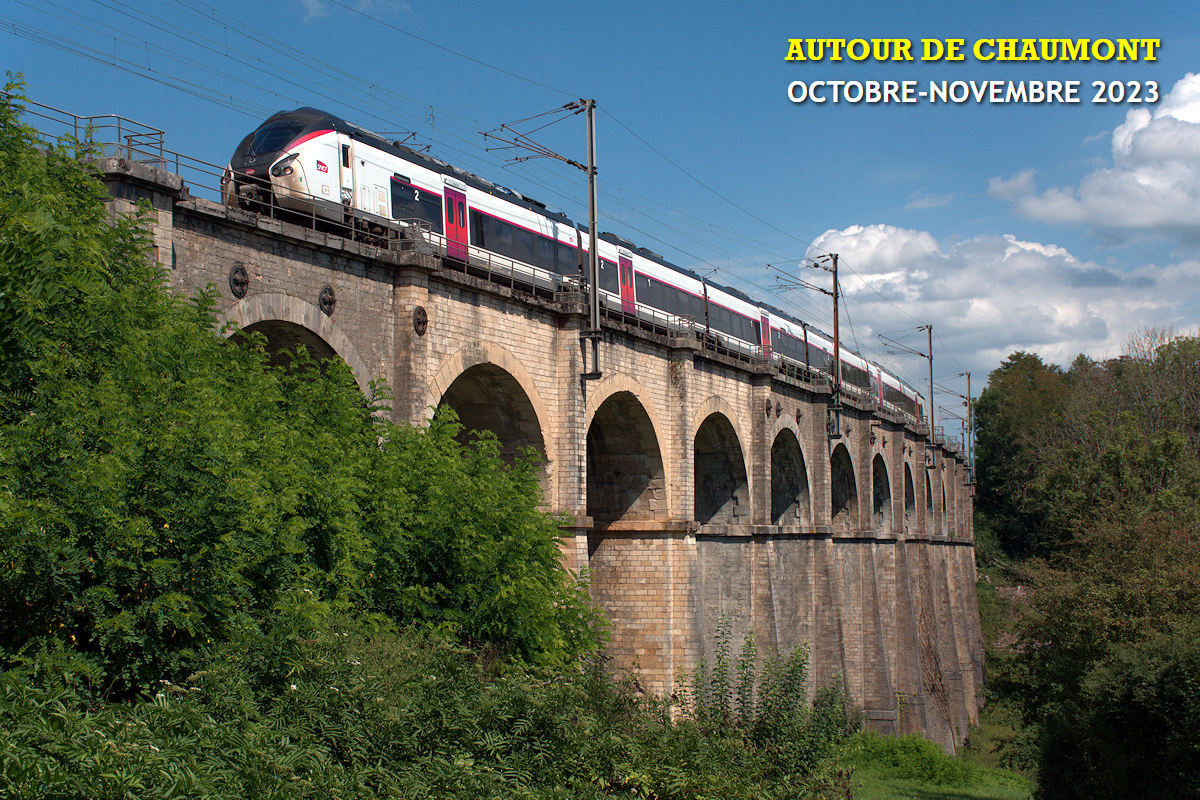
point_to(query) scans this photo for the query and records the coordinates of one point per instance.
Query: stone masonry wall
(886, 605)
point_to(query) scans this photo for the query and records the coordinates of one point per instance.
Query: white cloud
(921, 200)
(1152, 185)
(313, 9)
(1014, 188)
(991, 295)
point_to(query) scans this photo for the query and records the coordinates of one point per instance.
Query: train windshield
(272, 137)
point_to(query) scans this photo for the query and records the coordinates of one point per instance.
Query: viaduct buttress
(700, 484)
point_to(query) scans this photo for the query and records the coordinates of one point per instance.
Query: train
(314, 164)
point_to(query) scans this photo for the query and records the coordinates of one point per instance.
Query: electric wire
(361, 12)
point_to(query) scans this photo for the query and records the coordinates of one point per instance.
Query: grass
(911, 768)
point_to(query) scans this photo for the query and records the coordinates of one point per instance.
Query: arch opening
(910, 501)
(843, 497)
(722, 490)
(625, 476)
(945, 512)
(790, 502)
(487, 398)
(881, 495)
(283, 338)
(930, 515)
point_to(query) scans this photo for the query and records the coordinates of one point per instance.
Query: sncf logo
(321, 167)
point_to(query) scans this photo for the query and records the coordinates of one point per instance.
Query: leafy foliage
(366, 711)
(1101, 476)
(1109, 670)
(1023, 396)
(912, 767)
(766, 701)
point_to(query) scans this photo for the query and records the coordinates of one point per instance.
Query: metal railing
(115, 136)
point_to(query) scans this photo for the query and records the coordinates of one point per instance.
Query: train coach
(312, 163)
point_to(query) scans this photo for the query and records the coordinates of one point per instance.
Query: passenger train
(313, 163)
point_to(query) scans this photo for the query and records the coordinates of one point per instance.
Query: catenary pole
(593, 250)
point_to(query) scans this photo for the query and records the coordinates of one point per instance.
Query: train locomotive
(311, 163)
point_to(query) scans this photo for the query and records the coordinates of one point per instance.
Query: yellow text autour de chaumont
(979, 49)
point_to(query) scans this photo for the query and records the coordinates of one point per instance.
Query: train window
(543, 254)
(272, 138)
(855, 376)
(409, 202)
(658, 297)
(477, 235)
(663, 296)
(502, 238)
(462, 214)
(522, 245)
(608, 277)
(346, 155)
(820, 359)
(566, 259)
(669, 301)
(642, 287)
(720, 318)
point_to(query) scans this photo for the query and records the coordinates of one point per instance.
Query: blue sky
(1057, 229)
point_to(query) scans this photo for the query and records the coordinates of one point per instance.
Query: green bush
(911, 758)
(765, 702)
(366, 711)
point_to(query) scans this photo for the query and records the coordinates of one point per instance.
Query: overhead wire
(40, 36)
(379, 21)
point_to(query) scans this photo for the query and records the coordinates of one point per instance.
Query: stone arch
(287, 321)
(488, 398)
(945, 527)
(722, 490)
(626, 479)
(482, 353)
(930, 513)
(881, 495)
(843, 495)
(715, 404)
(490, 389)
(910, 501)
(791, 503)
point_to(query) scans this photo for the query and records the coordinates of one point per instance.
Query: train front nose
(249, 179)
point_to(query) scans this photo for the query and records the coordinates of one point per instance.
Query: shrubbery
(361, 710)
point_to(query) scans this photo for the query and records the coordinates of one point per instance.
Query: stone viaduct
(699, 485)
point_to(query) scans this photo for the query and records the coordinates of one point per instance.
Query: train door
(766, 336)
(326, 181)
(625, 273)
(456, 224)
(346, 168)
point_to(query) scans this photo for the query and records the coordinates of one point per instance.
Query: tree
(1104, 474)
(1108, 670)
(1023, 396)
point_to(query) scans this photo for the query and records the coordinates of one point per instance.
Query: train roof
(316, 119)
